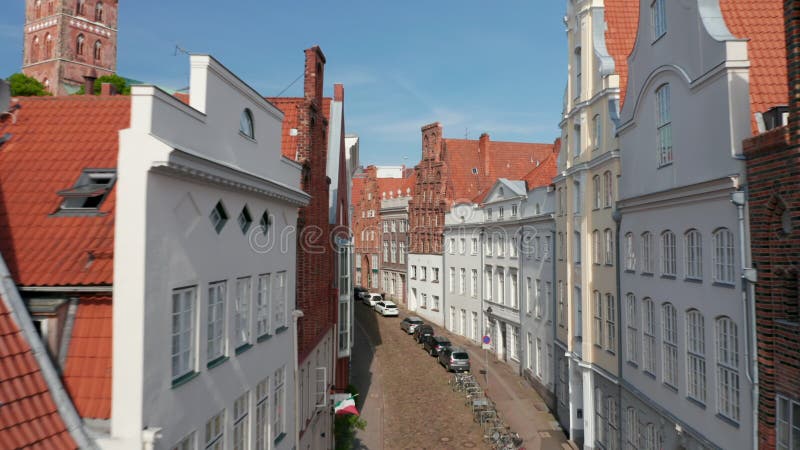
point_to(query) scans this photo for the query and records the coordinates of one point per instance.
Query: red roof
(394, 184)
(87, 374)
(543, 175)
(290, 107)
(28, 416)
(762, 23)
(622, 18)
(54, 140)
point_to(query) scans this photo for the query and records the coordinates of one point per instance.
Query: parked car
(454, 359)
(386, 308)
(371, 299)
(409, 324)
(435, 344)
(422, 332)
(358, 292)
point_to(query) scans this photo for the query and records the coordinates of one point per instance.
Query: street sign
(487, 340)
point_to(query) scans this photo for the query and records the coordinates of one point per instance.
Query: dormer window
(218, 217)
(659, 17)
(89, 191)
(245, 219)
(246, 124)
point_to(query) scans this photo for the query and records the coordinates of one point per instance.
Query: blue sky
(474, 65)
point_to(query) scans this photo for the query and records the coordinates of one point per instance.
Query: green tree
(25, 86)
(344, 426)
(119, 84)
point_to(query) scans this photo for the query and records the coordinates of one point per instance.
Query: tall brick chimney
(483, 148)
(792, 28)
(315, 71)
(338, 92)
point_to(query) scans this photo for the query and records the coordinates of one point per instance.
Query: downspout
(520, 298)
(481, 274)
(67, 411)
(553, 306)
(749, 279)
(441, 283)
(617, 216)
(296, 315)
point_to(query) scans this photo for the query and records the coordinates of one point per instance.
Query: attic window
(89, 191)
(474, 170)
(246, 124)
(245, 219)
(218, 216)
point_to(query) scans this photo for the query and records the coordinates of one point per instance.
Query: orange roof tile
(290, 107)
(622, 18)
(762, 23)
(28, 416)
(54, 140)
(394, 184)
(87, 374)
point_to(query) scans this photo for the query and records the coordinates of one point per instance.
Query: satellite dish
(5, 95)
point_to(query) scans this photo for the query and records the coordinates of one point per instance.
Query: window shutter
(322, 387)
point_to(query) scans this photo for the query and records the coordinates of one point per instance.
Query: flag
(346, 406)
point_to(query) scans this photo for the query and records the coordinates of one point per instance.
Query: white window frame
(451, 279)
(241, 314)
(647, 253)
(513, 291)
(280, 301)
(669, 338)
(632, 334)
(184, 315)
(787, 423)
(694, 254)
(474, 283)
(658, 18)
(262, 305)
(241, 422)
(728, 382)
(649, 331)
(278, 403)
(609, 246)
(630, 252)
(215, 432)
(608, 189)
(695, 356)
(611, 323)
(724, 253)
(539, 308)
(669, 263)
(462, 280)
(599, 330)
(664, 124)
(216, 336)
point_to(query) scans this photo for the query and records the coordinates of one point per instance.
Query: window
(98, 12)
(215, 339)
(473, 290)
(562, 246)
(452, 319)
(647, 252)
(97, 51)
(659, 17)
(262, 415)
(242, 313)
(539, 358)
(577, 248)
(596, 131)
(279, 299)
(609, 241)
(452, 248)
(630, 253)
(611, 323)
(547, 247)
(183, 332)
(489, 213)
(608, 189)
(88, 193)
(632, 334)
(462, 281)
(539, 300)
(488, 246)
(385, 251)
(649, 329)
(515, 343)
(612, 414)
(600, 420)
(631, 430)
(79, 44)
(79, 7)
(664, 123)
(435, 305)
(650, 438)
(670, 343)
(787, 424)
(393, 255)
(501, 246)
(241, 422)
(596, 247)
(474, 332)
(245, 219)
(598, 193)
(451, 279)
(424, 300)
(513, 290)
(528, 295)
(513, 210)
(696, 355)
(402, 255)
(186, 443)
(48, 46)
(578, 203)
(668, 259)
(246, 127)
(728, 369)
(501, 213)
(694, 254)
(474, 246)
(598, 319)
(501, 285)
(385, 226)
(435, 274)
(218, 216)
(577, 87)
(562, 312)
(262, 305)
(512, 250)
(723, 256)
(563, 388)
(537, 247)
(215, 432)
(413, 272)
(35, 49)
(462, 246)
(278, 403)
(37, 9)
(488, 283)
(577, 147)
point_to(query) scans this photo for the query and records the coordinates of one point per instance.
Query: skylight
(89, 191)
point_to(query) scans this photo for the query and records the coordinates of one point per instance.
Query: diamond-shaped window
(218, 216)
(265, 222)
(245, 219)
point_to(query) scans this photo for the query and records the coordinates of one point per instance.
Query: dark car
(434, 344)
(358, 291)
(454, 359)
(422, 332)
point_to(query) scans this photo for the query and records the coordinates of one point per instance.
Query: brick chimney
(88, 84)
(315, 71)
(107, 90)
(791, 10)
(338, 92)
(483, 149)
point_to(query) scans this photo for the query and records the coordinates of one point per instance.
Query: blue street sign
(487, 339)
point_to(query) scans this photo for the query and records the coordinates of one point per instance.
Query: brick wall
(428, 203)
(367, 229)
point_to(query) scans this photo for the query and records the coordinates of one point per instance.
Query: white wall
(417, 287)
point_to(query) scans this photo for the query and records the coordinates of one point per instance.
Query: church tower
(68, 40)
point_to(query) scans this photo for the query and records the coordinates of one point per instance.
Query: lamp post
(486, 349)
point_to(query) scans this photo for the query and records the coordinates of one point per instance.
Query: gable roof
(622, 19)
(54, 140)
(762, 24)
(29, 417)
(394, 184)
(290, 107)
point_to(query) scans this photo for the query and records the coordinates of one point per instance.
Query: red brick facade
(428, 203)
(366, 228)
(773, 172)
(52, 52)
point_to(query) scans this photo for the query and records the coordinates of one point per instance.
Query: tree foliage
(345, 426)
(117, 81)
(25, 86)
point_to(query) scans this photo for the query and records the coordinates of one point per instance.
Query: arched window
(694, 254)
(79, 7)
(669, 318)
(664, 125)
(695, 355)
(37, 9)
(98, 50)
(723, 256)
(246, 124)
(50, 7)
(608, 189)
(632, 334)
(647, 252)
(668, 264)
(609, 244)
(79, 45)
(48, 46)
(598, 193)
(98, 12)
(727, 368)
(35, 49)
(630, 252)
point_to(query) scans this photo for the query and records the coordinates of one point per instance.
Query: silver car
(454, 359)
(409, 324)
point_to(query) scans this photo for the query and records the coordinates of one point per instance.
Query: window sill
(647, 274)
(696, 402)
(434, 310)
(243, 348)
(183, 379)
(611, 352)
(609, 264)
(629, 271)
(649, 374)
(247, 137)
(670, 387)
(263, 337)
(666, 164)
(279, 438)
(723, 284)
(667, 277)
(693, 280)
(632, 364)
(216, 362)
(728, 420)
(280, 330)
(658, 38)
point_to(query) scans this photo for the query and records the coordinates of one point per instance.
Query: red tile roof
(28, 416)
(762, 23)
(54, 140)
(622, 18)
(394, 184)
(87, 374)
(543, 175)
(290, 107)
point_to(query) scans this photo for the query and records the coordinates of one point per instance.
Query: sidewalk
(518, 404)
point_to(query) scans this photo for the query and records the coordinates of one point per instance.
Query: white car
(371, 299)
(386, 308)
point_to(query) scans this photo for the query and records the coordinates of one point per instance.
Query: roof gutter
(19, 312)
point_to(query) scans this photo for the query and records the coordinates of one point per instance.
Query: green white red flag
(346, 406)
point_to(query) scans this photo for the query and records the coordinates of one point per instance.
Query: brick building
(366, 226)
(68, 40)
(773, 163)
(394, 195)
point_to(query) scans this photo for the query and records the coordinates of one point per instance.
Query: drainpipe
(296, 315)
(149, 438)
(481, 274)
(749, 278)
(520, 298)
(67, 411)
(441, 282)
(617, 216)
(554, 306)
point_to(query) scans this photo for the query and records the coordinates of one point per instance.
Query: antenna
(466, 133)
(179, 49)
(290, 85)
